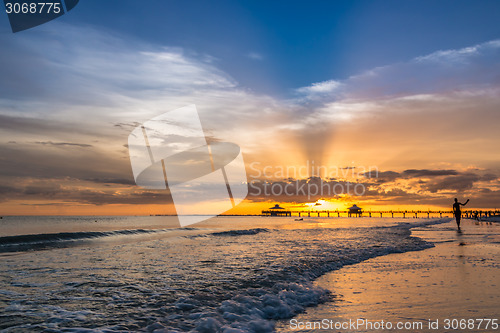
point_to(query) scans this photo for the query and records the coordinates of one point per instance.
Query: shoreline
(455, 279)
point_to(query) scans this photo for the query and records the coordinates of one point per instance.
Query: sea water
(144, 273)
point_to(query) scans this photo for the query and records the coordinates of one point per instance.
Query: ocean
(143, 273)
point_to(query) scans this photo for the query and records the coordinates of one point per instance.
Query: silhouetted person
(457, 212)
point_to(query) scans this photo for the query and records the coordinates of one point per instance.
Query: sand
(457, 279)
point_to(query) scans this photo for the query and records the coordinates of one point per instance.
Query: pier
(471, 214)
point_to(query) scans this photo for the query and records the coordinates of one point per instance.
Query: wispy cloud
(320, 88)
(464, 69)
(255, 56)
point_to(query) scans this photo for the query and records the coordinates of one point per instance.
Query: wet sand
(457, 279)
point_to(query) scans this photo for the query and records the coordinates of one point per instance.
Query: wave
(21, 243)
(32, 242)
(285, 289)
(240, 232)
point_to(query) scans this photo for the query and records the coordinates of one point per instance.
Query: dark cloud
(393, 196)
(485, 199)
(459, 183)
(72, 162)
(121, 181)
(133, 196)
(55, 192)
(72, 144)
(436, 190)
(436, 180)
(382, 176)
(55, 128)
(410, 173)
(428, 173)
(489, 177)
(455, 183)
(7, 192)
(127, 126)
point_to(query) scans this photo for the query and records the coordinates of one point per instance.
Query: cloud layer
(70, 97)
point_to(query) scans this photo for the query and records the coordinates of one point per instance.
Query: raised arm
(463, 204)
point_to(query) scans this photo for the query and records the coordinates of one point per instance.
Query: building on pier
(354, 210)
(276, 211)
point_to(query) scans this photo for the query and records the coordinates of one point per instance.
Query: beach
(442, 288)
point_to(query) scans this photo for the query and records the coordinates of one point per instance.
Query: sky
(406, 89)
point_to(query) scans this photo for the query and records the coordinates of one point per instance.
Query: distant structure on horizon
(354, 210)
(277, 211)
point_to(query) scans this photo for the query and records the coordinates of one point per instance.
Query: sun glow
(325, 204)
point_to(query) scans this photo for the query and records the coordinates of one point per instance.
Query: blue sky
(302, 42)
(278, 46)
